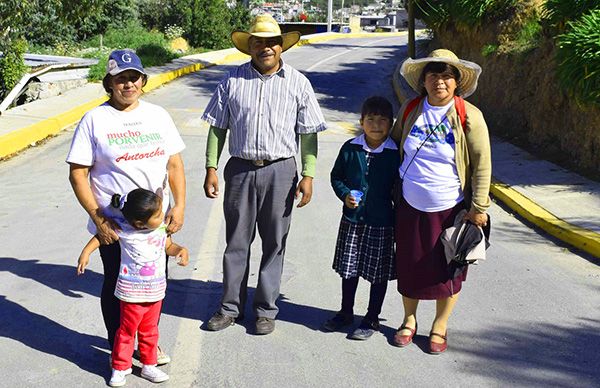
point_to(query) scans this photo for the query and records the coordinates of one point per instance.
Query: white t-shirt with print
(142, 273)
(431, 182)
(126, 150)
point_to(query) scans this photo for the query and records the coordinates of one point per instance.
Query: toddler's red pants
(143, 319)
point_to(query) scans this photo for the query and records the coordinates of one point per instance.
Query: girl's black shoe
(339, 321)
(365, 330)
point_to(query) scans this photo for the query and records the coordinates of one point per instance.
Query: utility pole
(411, 28)
(329, 14)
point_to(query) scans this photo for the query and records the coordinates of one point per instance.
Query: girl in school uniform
(362, 178)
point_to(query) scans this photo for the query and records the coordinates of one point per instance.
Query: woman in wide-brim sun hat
(446, 167)
(264, 26)
(412, 70)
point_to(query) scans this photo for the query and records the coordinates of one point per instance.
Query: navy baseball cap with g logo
(121, 60)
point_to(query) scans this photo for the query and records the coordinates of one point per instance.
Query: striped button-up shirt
(264, 113)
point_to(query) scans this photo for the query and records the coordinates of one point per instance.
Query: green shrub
(489, 49)
(528, 37)
(12, 66)
(462, 13)
(558, 12)
(240, 17)
(210, 24)
(578, 58)
(154, 55)
(151, 46)
(132, 36)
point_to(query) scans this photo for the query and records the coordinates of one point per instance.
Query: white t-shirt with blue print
(431, 183)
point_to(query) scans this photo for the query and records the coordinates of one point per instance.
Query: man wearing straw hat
(268, 108)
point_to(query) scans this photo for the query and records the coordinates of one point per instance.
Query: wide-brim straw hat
(264, 26)
(411, 70)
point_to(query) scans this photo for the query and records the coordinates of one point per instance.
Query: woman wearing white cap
(446, 167)
(119, 146)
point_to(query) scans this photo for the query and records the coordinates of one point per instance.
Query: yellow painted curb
(20, 139)
(584, 239)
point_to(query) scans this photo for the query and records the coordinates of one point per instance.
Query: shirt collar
(280, 72)
(388, 143)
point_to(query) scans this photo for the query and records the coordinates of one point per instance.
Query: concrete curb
(584, 239)
(22, 138)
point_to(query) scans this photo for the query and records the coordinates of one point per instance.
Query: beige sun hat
(263, 26)
(469, 71)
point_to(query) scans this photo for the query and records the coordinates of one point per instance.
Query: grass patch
(489, 49)
(528, 37)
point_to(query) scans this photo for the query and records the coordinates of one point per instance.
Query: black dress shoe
(339, 321)
(264, 325)
(219, 321)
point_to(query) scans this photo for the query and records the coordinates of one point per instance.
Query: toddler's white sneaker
(152, 373)
(117, 379)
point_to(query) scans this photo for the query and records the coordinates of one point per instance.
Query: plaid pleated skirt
(365, 251)
(422, 268)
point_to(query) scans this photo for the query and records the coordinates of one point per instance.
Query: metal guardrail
(43, 64)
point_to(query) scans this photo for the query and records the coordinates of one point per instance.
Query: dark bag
(464, 244)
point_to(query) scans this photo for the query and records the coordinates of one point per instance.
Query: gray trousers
(256, 197)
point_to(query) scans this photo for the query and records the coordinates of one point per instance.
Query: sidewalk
(558, 201)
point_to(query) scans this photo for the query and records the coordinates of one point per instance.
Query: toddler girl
(141, 283)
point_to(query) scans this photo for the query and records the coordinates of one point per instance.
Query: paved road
(528, 316)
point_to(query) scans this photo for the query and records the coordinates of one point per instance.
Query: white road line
(346, 52)
(188, 339)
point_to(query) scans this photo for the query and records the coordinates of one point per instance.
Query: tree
(113, 13)
(210, 24)
(240, 17)
(12, 45)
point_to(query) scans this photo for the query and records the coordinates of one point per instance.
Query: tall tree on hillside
(12, 44)
(210, 24)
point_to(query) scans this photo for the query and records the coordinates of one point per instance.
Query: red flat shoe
(404, 340)
(434, 347)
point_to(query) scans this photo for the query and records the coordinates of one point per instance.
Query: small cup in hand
(357, 194)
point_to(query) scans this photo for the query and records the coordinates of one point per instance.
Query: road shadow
(204, 297)
(62, 278)
(544, 354)
(43, 334)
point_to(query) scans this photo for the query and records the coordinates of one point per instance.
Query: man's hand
(305, 187)
(174, 219)
(105, 228)
(479, 219)
(211, 183)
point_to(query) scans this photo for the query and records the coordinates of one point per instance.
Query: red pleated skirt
(420, 260)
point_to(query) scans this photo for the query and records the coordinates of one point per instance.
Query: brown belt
(261, 162)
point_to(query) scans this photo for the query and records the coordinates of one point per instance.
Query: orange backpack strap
(412, 104)
(459, 105)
